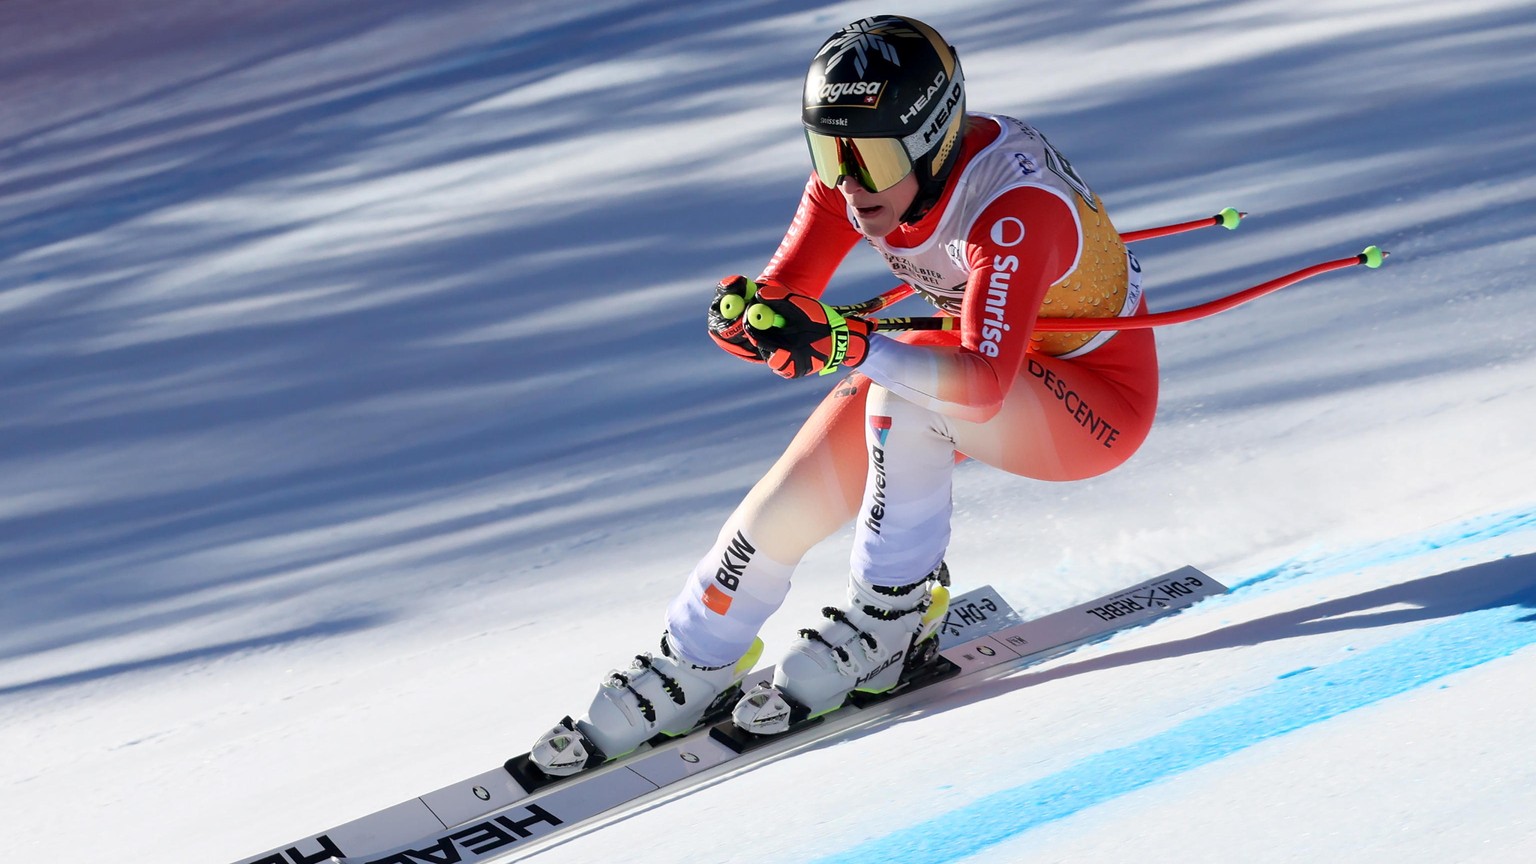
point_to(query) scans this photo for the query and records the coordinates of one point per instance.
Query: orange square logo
(716, 600)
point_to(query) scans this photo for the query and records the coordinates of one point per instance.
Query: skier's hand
(800, 335)
(727, 317)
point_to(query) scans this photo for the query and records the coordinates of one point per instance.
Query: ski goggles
(876, 163)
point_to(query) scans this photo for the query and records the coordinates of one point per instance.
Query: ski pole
(1372, 258)
(875, 304)
(732, 306)
(762, 317)
(1228, 218)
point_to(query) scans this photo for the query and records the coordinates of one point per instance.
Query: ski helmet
(885, 97)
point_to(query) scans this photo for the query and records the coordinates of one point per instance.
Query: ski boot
(878, 642)
(656, 697)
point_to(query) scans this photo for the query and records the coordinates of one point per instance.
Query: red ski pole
(1228, 218)
(1372, 257)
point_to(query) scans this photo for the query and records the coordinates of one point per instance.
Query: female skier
(988, 222)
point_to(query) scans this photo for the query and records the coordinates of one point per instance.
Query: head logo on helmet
(891, 77)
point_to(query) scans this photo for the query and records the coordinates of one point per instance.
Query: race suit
(1016, 235)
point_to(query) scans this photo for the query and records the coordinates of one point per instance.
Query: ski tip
(1373, 256)
(1230, 218)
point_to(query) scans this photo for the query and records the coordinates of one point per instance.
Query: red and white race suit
(1017, 235)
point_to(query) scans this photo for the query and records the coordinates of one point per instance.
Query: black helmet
(885, 97)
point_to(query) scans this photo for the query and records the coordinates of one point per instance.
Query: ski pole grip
(731, 306)
(762, 317)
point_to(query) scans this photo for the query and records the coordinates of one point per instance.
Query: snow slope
(357, 416)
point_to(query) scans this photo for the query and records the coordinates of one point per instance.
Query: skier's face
(878, 213)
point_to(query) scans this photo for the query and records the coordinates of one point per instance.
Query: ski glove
(727, 317)
(800, 335)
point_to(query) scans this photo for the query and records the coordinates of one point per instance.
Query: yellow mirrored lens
(877, 163)
(883, 162)
(825, 158)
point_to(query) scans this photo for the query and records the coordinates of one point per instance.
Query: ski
(508, 809)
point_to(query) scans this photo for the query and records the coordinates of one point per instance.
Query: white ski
(492, 815)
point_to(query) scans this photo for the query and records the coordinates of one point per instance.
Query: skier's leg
(1064, 419)
(810, 492)
(868, 452)
(900, 535)
(902, 527)
(1071, 419)
(710, 642)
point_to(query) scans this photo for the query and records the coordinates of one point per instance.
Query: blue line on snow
(1292, 703)
(1466, 532)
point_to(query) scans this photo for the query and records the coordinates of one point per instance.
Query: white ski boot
(656, 696)
(871, 645)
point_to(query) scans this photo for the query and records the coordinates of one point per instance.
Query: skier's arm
(1026, 240)
(818, 239)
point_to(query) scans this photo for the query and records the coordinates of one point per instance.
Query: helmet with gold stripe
(885, 97)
